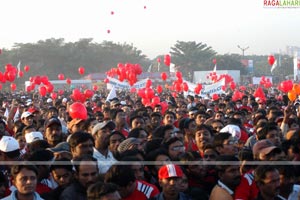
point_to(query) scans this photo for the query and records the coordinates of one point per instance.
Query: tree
(192, 56)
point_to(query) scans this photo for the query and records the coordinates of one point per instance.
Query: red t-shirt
(247, 189)
(143, 191)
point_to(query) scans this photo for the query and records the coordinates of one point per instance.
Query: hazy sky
(221, 24)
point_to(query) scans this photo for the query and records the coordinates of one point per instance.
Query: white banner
(296, 62)
(124, 85)
(256, 80)
(215, 88)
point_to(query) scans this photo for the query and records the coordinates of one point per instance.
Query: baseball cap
(126, 144)
(51, 121)
(169, 171)
(111, 125)
(74, 122)
(263, 147)
(49, 100)
(64, 100)
(234, 130)
(26, 114)
(8, 144)
(33, 109)
(61, 147)
(33, 136)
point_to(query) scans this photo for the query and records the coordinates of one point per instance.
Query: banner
(215, 88)
(124, 85)
(256, 80)
(296, 65)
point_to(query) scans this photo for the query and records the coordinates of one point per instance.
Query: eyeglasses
(178, 148)
(231, 142)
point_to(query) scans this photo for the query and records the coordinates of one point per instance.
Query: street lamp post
(243, 52)
(243, 49)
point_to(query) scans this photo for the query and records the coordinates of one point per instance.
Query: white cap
(49, 100)
(234, 130)
(33, 136)
(64, 100)
(25, 114)
(8, 144)
(123, 103)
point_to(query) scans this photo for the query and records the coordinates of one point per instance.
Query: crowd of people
(196, 148)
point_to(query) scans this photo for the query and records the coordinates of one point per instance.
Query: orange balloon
(292, 95)
(296, 88)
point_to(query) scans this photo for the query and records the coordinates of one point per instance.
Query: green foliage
(53, 56)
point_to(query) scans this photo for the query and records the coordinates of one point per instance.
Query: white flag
(172, 67)
(149, 68)
(18, 67)
(112, 94)
(274, 66)
(215, 68)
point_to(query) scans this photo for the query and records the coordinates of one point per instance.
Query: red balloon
(26, 68)
(185, 86)
(42, 91)
(271, 59)
(53, 95)
(106, 80)
(223, 87)
(0, 86)
(49, 87)
(145, 101)
(148, 83)
(61, 76)
(167, 59)
(108, 31)
(21, 73)
(159, 89)
(158, 60)
(149, 93)
(178, 75)
(88, 93)
(215, 97)
(61, 92)
(10, 76)
(155, 100)
(28, 88)
(78, 111)
(133, 90)
(81, 70)
(164, 76)
(95, 87)
(232, 85)
(242, 88)
(76, 94)
(112, 12)
(45, 80)
(214, 61)
(13, 86)
(68, 80)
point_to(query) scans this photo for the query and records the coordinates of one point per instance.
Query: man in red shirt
(129, 187)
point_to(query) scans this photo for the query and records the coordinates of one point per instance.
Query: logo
(281, 3)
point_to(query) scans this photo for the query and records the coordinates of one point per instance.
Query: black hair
(120, 175)
(80, 137)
